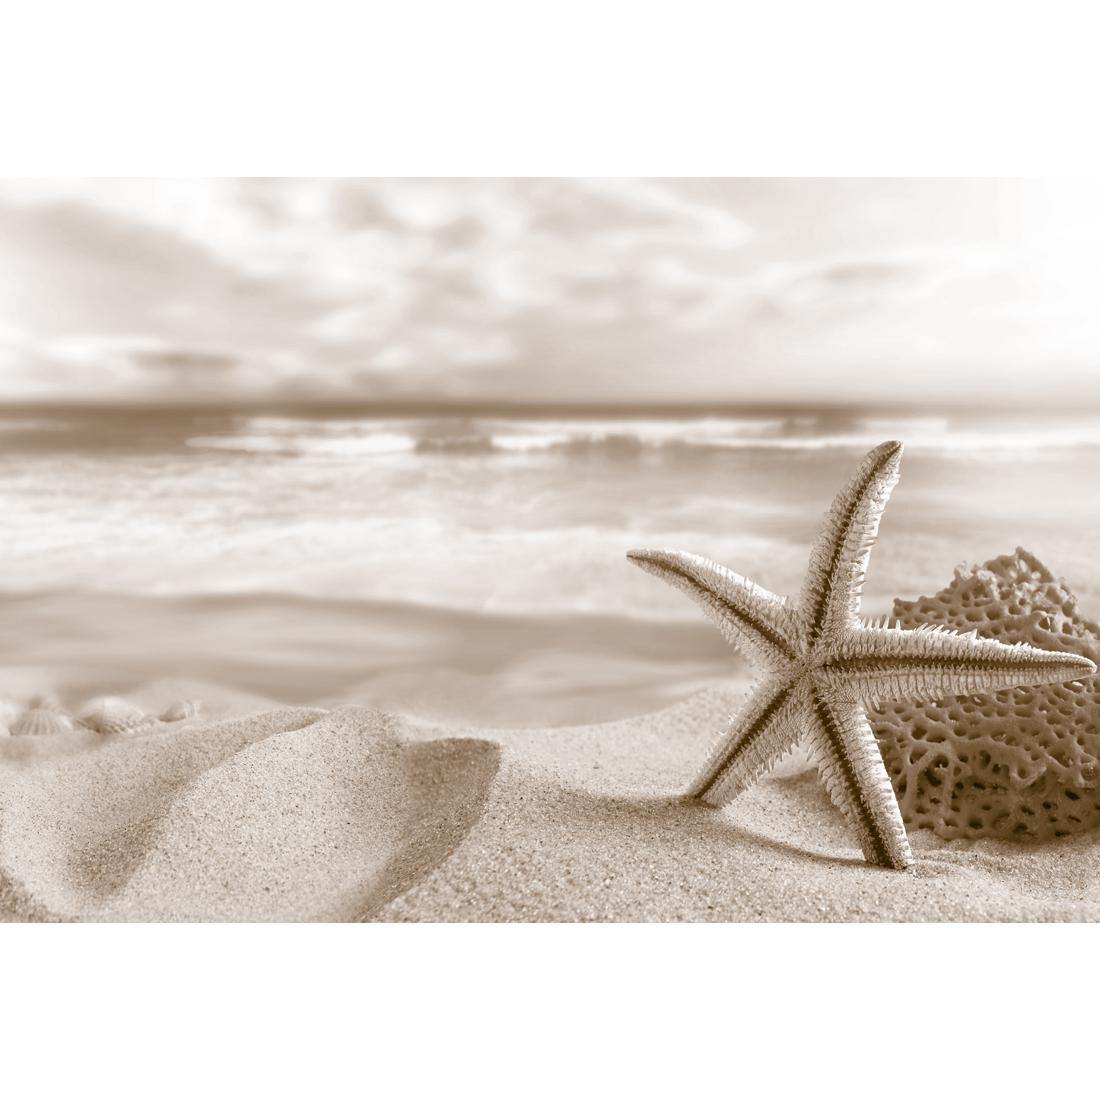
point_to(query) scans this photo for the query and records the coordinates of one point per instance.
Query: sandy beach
(434, 686)
(423, 702)
(261, 812)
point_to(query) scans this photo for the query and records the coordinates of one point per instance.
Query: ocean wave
(377, 444)
(473, 444)
(28, 424)
(628, 438)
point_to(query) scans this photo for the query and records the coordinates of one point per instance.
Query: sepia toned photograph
(549, 550)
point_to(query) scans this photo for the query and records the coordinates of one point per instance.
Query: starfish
(821, 663)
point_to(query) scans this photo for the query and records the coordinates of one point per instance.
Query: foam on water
(368, 436)
(374, 443)
(513, 514)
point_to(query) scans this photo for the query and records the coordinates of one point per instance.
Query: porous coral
(1022, 763)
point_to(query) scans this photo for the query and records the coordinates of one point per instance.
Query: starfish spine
(746, 614)
(736, 764)
(852, 771)
(932, 664)
(838, 563)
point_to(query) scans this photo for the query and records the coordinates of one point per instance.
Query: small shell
(45, 702)
(112, 716)
(39, 721)
(9, 711)
(178, 711)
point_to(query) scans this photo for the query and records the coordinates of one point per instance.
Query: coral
(821, 664)
(1021, 763)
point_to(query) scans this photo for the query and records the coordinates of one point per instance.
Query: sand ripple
(291, 815)
(351, 814)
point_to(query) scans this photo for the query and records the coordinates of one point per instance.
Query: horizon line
(502, 407)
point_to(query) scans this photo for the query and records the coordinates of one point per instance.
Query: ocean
(465, 547)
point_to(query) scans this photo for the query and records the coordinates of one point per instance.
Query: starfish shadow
(681, 813)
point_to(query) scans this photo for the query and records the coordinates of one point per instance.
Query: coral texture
(1022, 763)
(821, 664)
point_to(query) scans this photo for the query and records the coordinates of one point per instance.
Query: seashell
(38, 721)
(45, 702)
(9, 712)
(183, 708)
(109, 715)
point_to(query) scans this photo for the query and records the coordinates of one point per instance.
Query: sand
(261, 812)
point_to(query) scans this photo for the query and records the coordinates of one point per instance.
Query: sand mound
(302, 814)
(289, 815)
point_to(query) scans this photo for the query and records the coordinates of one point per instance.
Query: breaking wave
(365, 438)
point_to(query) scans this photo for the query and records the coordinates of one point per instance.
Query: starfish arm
(830, 595)
(770, 723)
(750, 617)
(929, 664)
(851, 768)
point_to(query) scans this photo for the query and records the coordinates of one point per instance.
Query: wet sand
(455, 666)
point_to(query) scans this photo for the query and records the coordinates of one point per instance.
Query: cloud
(838, 286)
(427, 276)
(144, 367)
(577, 288)
(336, 236)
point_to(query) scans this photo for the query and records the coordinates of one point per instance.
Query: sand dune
(351, 814)
(294, 814)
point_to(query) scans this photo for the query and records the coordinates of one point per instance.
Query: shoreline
(442, 665)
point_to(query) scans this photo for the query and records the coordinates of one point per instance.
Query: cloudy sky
(565, 290)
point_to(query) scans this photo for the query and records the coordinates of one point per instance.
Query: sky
(931, 292)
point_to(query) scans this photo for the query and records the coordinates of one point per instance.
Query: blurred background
(389, 440)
